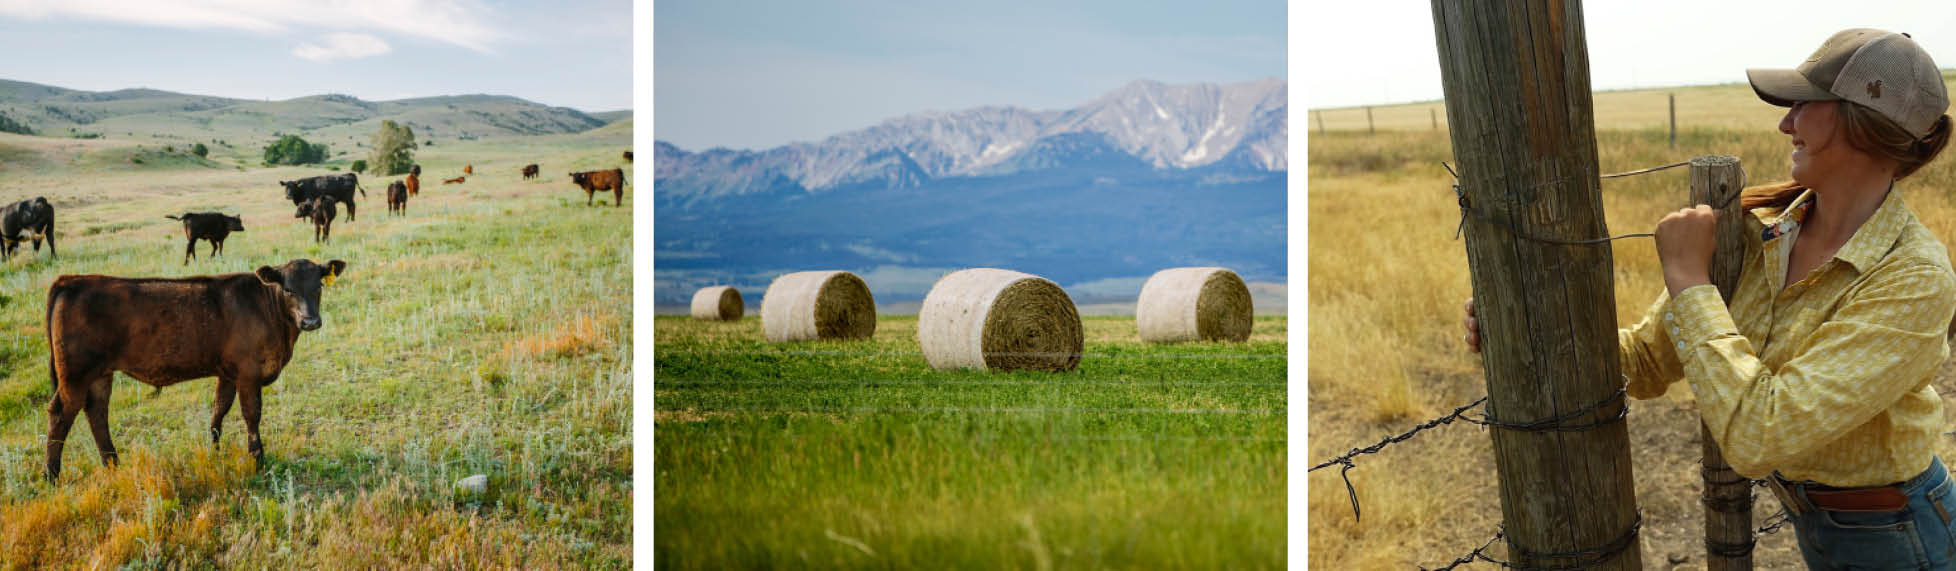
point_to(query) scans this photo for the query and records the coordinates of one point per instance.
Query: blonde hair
(1869, 132)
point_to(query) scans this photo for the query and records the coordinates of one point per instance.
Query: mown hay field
(840, 454)
(1387, 280)
(487, 331)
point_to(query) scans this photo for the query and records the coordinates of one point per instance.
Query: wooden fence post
(1435, 115)
(1369, 129)
(1320, 114)
(1715, 180)
(1674, 121)
(1520, 114)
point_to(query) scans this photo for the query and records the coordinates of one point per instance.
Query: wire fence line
(994, 410)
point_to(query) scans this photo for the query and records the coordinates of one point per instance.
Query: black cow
(339, 187)
(213, 226)
(24, 220)
(239, 328)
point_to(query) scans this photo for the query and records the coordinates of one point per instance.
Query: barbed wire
(1584, 558)
(1467, 209)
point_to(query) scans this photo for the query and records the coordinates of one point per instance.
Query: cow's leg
(189, 251)
(617, 196)
(351, 213)
(99, 389)
(227, 391)
(61, 417)
(588, 196)
(248, 395)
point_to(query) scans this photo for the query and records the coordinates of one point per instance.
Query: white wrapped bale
(1194, 304)
(718, 303)
(805, 306)
(988, 318)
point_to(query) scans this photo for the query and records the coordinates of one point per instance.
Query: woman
(1817, 376)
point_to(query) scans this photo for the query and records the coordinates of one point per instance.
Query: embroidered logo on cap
(1874, 89)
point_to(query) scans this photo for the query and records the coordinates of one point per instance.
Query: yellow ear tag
(328, 280)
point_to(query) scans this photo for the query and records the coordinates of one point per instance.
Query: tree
(393, 149)
(12, 126)
(359, 165)
(292, 150)
(200, 150)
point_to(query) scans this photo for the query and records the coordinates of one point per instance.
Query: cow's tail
(363, 188)
(54, 382)
(172, 217)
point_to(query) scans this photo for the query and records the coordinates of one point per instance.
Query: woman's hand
(1473, 337)
(1685, 242)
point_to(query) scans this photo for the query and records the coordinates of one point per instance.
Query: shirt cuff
(1697, 315)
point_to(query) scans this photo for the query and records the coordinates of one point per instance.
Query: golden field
(1387, 279)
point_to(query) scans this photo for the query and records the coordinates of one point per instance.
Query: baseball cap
(1884, 71)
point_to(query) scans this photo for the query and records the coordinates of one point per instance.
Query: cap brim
(1784, 87)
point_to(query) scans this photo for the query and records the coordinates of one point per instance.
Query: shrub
(292, 150)
(200, 150)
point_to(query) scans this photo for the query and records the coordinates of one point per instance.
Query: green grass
(486, 332)
(857, 454)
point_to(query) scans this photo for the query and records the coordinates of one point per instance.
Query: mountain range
(140, 112)
(1096, 197)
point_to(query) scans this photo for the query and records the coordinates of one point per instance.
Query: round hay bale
(988, 318)
(804, 306)
(1194, 304)
(718, 303)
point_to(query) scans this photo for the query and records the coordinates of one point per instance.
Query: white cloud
(341, 46)
(463, 23)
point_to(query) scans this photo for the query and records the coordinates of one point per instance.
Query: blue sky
(575, 53)
(754, 74)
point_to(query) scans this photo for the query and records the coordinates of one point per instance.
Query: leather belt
(1869, 499)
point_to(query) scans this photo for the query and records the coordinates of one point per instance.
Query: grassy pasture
(1386, 284)
(488, 331)
(857, 455)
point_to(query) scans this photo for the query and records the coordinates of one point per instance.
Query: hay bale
(805, 306)
(999, 319)
(1194, 304)
(718, 303)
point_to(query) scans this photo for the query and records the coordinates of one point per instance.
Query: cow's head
(304, 211)
(300, 281)
(579, 177)
(291, 189)
(236, 222)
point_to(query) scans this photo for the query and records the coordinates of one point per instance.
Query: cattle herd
(240, 328)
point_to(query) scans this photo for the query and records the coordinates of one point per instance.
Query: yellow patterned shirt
(1826, 379)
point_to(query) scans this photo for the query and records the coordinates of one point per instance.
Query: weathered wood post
(1434, 114)
(1369, 129)
(1320, 114)
(1516, 78)
(1674, 120)
(1715, 180)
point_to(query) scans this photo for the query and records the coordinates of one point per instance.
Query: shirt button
(1680, 346)
(1668, 316)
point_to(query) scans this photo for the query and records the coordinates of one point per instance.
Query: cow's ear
(270, 276)
(333, 270)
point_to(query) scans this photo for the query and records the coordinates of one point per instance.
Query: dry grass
(1387, 281)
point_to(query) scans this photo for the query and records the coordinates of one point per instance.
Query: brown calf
(530, 171)
(594, 181)
(468, 169)
(397, 195)
(322, 214)
(456, 180)
(239, 328)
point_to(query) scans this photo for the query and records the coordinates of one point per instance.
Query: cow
(27, 219)
(628, 156)
(468, 169)
(212, 226)
(397, 195)
(456, 180)
(321, 212)
(414, 180)
(530, 171)
(338, 186)
(239, 328)
(594, 181)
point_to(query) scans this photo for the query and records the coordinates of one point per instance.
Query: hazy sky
(574, 53)
(1646, 43)
(756, 74)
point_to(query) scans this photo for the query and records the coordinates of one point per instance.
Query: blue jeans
(1915, 537)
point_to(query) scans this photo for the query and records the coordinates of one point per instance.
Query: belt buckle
(1785, 495)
